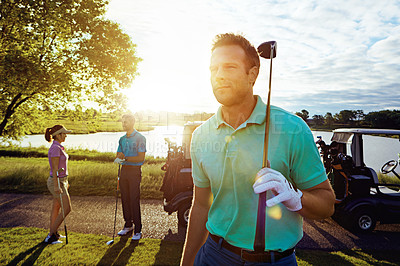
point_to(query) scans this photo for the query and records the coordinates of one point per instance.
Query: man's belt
(248, 255)
(131, 166)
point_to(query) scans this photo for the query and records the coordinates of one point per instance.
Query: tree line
(388, 119)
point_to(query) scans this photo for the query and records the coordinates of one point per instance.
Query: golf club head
(110, 242)
(264, 49)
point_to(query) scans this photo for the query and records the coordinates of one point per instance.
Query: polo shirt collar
(256, 117)
(132, 134)
(57, 143)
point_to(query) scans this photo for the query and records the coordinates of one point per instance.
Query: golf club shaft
(268, 111)
(62, 209)
(116, 200)
(259, 241)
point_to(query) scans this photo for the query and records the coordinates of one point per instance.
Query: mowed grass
(74, 154)
(86, 178)
(24, 246)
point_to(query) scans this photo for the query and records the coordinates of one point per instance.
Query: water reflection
(108, 141)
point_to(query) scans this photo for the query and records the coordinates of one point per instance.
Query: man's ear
(253, 73)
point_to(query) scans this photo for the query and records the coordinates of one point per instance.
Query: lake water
(377, 150)
(108, 141)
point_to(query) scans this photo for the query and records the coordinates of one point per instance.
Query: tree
(346, 116)
(58, 53)
(304, 114)
(329, 119)
(318, 120)
(384, 119)
(359, 115)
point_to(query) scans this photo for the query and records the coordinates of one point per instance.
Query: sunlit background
(332, 55)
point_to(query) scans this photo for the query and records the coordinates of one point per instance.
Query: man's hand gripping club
(269, 179)
(119, 161)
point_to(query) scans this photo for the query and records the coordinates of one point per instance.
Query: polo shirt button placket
(231, 146)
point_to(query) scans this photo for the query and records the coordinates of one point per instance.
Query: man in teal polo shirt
(227, 154)
(131, 153)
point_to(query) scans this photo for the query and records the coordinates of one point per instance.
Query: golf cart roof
(353, 137)
(344, 135)
(367, 131)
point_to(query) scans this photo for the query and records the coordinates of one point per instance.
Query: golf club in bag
(266, 50)
(62, 205)
(116, 205)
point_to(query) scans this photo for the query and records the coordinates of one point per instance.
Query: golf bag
(176, 178)
(341, 167)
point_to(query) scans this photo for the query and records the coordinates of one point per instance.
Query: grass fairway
(86, 178)
(23, 246)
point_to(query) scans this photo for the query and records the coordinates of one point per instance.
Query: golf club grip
(259, 241)
(66, 234)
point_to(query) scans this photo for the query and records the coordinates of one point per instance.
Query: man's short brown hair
(129, 117)
(237, 39)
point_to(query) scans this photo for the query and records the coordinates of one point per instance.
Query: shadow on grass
(170, 253)
(170, 249)
(335, 242)
(32, 255)
(119, 253)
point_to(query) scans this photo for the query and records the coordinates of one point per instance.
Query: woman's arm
(55, 162)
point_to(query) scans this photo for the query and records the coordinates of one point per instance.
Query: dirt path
(96, 215)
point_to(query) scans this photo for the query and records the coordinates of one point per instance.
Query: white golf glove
(269, 179)
(119, 161)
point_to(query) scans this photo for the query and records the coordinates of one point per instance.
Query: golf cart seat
(349, 179)
(385, 189)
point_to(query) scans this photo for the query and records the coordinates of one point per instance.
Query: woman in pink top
(58, 159)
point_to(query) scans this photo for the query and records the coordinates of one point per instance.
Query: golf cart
(361, 201)
(177, 184)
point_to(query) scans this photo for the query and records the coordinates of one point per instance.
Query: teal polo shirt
(131, 146)
(227, 160)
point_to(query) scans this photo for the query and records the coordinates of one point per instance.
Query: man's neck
(130, 131)
(236, 115)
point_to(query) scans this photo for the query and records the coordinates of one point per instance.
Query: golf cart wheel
(364, 220)
(183, 213)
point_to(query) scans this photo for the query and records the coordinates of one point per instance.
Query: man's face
(127, 124)
(230, 79)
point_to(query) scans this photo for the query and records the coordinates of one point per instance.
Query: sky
(331, 55)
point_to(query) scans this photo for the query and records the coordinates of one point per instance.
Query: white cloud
(344, 51)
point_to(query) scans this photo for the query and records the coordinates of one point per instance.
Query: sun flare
(275, 212)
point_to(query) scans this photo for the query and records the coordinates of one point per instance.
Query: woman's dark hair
(50, 130)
